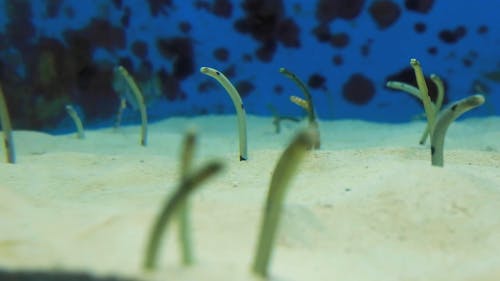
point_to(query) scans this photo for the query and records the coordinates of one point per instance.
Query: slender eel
(8, 140)
(76, 119)
(443, 122)
(407, 88)
(424, 94)
(184, 230)
(440, 88)
(119, 114)
(437, 107)
(416, 92)
(185, 188)
(140, 101)
(300, 102)
(290, 75)
(311, 113)
(277, 118)
(287, 167)
(238, 105)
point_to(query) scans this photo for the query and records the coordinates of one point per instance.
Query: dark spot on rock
(316, 81)
(467, 62)
(180, 51)
(48, 78)
(337, 60)
(101, 34)
(144, 72)
(327, 10)
(288, 33)
(69, 12)
(322, 33)
(159, 6)
(18, 10)
(4, 45)
(171, 86)
(125, 18)
(19, 30)
(452, 36)
(127, 63)
(244, 87)
(384, 12)
(266, 51)
(202, 5)
(118, 4)
(339, 40)
(261, 18)
(206, 86)
(265, 21)
(469, 59)
(472, 54)
(247, 57)
(230, 71)
(358, 89)
(222, 8)
(420, 27)
(433, 150)
(140, 49)
(366, 48)
(420, 6)
(183, 67)
(221, 54)
(185, 27)
(52, 8)
(482, 29)
(278, 89)
(97, 95)
(407, 75)
(433, 50)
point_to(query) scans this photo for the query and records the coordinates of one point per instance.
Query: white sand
(367, 206)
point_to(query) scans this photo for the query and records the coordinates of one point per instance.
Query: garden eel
(414, 91)
(443, 122)
(311, 113)
(191, 182)
(78, 122)
(424, 94)
(140, 101)
(7, 129)
(286, 168)
(407, 88)
(437, 106)
(238, 105)
(183, 215)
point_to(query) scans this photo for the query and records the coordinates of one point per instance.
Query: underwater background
(59, 52)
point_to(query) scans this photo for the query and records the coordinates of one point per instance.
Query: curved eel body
(238, 105)
(443, 122)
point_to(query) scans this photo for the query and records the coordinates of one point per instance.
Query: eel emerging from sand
(443, 122)
(238, 105)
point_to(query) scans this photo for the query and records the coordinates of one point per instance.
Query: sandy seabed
(367, 206)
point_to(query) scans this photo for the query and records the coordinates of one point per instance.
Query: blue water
(36, 99)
